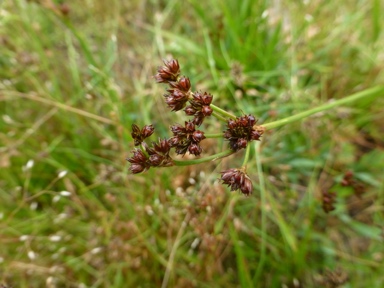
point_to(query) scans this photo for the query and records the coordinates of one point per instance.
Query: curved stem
(365, 93)
(264, 204)
(142, 147)
(246, 156)
(216, 135)
(222, 112)
(81, 40)
(218, 116)
(202, 160)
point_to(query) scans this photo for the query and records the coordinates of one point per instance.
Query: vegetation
(76, 75)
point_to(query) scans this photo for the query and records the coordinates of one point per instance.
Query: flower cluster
(139, 135)
(186, 138)
(349, 180)
(179, 93)
(329, 199)
(155, 156)
(199, 107)
(169, 72)
(241, 131)
(237, 179)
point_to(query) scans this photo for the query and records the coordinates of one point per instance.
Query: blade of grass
(243, 270)
(260, 265)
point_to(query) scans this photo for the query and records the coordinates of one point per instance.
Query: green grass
(71, 86)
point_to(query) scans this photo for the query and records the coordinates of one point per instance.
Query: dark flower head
(347, 179)
(237, 179)
(190, 111)
(199, 107)
(186, 138)
(162, 147)
(206, 111)
(194, 149)
(183, 84)
(176, 99)
(328, 201)
(159, 154)
(197, 136)
(241, 131)
(139, 161)
(139, 135)
(350, 180)
(155, 156)
(189, 127)
(169, 72)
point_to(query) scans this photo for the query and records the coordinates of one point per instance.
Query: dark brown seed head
(194, 149)
(155, 160)
(190, 111)
(206, 110)
(255, 135)
(247, 187)
(200, 105)
(198, 135)
(138, 162)
(169, 72)
(162, 147)
(176, 99)
(189, 127)
(237, 179)
(186, 138)
(199, 118)
(329, 199)
(184, 84)
(139, 135)
(159, 154)
(147, 131)
(64, 9)
(240, 131)
(177, 129)
(241, 143)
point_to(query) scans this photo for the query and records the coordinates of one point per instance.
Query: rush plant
(239, 130)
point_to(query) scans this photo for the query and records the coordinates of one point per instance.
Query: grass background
(76, 75)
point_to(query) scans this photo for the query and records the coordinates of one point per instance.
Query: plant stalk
(349, 99)
(202, 160)
(222, 112)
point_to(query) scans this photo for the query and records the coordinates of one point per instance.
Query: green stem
(222, 112)
(366, 93)
(83, 44)
(246, 156)
(142, 147)
(263, 212)
(202, 160)
(218, 116)
(216, 135)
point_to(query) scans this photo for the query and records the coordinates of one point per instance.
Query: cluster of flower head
(155, 156)
(179, 93)
(186, 138)
(328, 199)
(348, 180)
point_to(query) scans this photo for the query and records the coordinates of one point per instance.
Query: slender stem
(202, 160)
(246, 156)
(222, 112)
(366, 93)
(216, 135)
(142, 147)
(218, 116)
(83, 44)
(263, 211)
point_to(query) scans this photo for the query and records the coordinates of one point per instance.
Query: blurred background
(75, 75)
